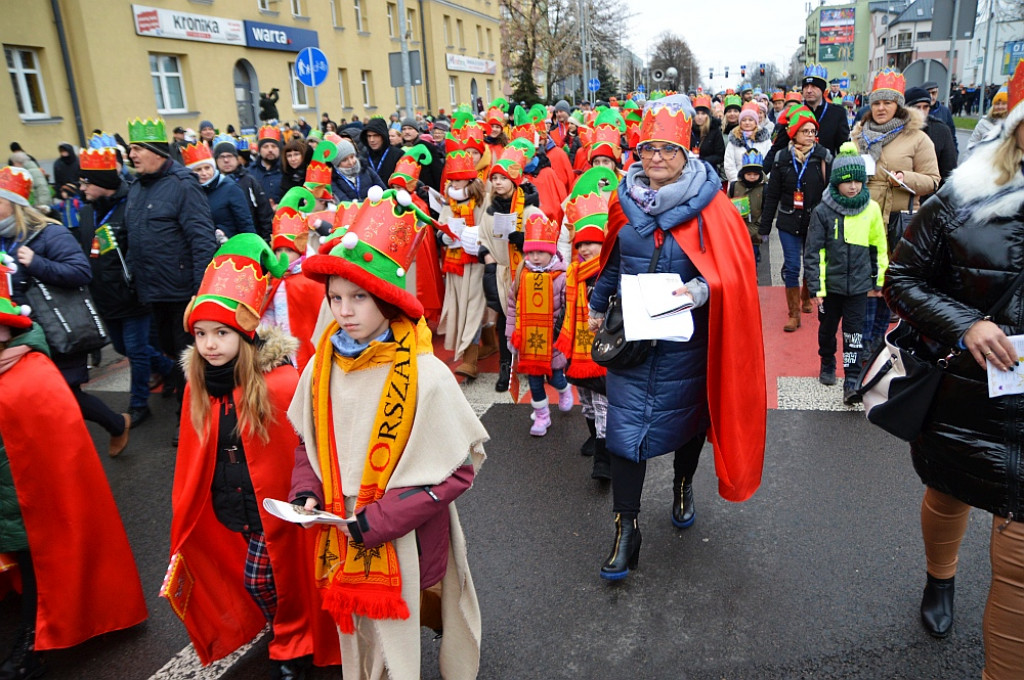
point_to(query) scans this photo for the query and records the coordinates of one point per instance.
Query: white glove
(470, 242)
(448, 240)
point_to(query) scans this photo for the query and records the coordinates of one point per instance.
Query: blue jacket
(58, 261)
(170, 233)
(270, 179)
(228, 207)
(346, 189)
(658, 406)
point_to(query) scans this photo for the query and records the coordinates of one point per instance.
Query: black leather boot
(683, 511)
(588, 446)
(504, 377)
(23, 662)
(937, 606)
(602, 462)
(292, 669)
(625, 553)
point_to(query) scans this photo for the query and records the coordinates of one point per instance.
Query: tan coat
(911, 153)
(464, 300)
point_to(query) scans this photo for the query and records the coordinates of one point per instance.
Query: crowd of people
(271, 284)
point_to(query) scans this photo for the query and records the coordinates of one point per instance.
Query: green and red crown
(234, 287)
(514, 159)
(587, 207)
(11, 315)
(496, 111)
(320, 169)
(290, 228)
(607, 141)
(376, 250)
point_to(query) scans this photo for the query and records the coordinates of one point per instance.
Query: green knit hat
(848, 166)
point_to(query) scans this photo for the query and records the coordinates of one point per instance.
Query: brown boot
(488, 341)
(793, 302)
(118, 443)
(468, 365)
(805, 298)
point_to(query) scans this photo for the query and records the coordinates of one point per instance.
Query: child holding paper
(534, 319)
(389, 441)
(845, 258)
(233, 566)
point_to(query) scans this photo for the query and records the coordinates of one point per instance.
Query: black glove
(491, 286)
(516, 238)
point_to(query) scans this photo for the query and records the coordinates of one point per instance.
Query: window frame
(393, 32)
(163, 77)
(357, 6)
(296, 6)
(453, 91)
(22, 89)
(295, 83)
(343, 87)
(366, 85)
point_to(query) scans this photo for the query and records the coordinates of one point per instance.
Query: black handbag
(610, 348)
(68, 316)
(899, 220)
(899, 383)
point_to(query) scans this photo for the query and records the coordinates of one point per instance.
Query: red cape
(551, 193)
(220, 615)
(737, 398)
(304, 296)
(88, 583)
(562, 167)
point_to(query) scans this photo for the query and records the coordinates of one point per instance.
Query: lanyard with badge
(798, 195)
(354, 186)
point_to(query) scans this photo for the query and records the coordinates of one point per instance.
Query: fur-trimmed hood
(761, 134)
(276, 348)
(976, 179)
(915, 121)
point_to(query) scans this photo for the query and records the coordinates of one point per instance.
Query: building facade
(193, 60)
(837, 36)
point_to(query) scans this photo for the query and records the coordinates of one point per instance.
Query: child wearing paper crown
(389, 442)
(61, 528)
(234, 567)
(536, 303)
(747, 194)
(587, 212)
(845, 258)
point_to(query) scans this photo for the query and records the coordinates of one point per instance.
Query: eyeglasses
(808, 133)
(84, 182)
(667, 152)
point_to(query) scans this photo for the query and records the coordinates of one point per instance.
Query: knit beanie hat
(205, 124)
(562, 105)
(889, 85)
(11, 315)
(345, 149)
(224, 144)
(234, 287)
(410, 122)
(848, 166)
(149, 134)
(750, 111)
(1001, 96)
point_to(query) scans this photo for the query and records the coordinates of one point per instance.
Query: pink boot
(565, 399)
(541, 418)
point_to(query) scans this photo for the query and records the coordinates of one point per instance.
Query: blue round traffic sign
(640, 87)
(594, 84)
(311, 67)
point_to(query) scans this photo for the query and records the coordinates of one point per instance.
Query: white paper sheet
(299, 515)
(456, 224)
(1005, 383)
(435, 200)
(869, 164)
(640, 326)
(505, 224)
(657, 289)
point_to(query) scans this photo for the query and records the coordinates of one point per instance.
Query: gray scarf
(876, 136)
(8, 226)
(352, 171)
(657, 201)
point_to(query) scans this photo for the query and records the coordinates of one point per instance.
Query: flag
(106, 238)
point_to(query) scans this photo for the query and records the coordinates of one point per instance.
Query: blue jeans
(876, 323)
(130, 338)
(557, 380)
(792, 257)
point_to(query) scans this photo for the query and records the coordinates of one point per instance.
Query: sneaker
(850, 395)
(139, 415)
(827, 376)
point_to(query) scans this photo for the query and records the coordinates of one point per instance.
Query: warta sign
(154, 22)
(275, 37)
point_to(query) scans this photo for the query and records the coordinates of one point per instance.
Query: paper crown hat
(702, 101)
(97, 160)
(525, 122)
(290, 228)
(778, 96)
(268, 133)
(11, 315)
(234, 287)
(147, 131)
(514, 159)
(889, 80)
(795, 97)
(103, 140)
(408, 167)
(817, 75)
(752, 161)
(587, 207)
(460, 165)
(733, 101)
(194, 155)
(376, 250)
(540, 233)
(607, 138)
(496, 111)
(15, 185)
(667, 120)
(797, 118)
(320, 170)
(469, 132)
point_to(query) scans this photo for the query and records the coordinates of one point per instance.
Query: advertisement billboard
(837, 34)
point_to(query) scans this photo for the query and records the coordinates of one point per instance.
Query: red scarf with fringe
(535, 322)
(456, 259)
(576, 337)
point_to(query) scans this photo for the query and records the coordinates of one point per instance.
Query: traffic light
(711, 74)
(743, 73)
(762, 71)
(726, 71)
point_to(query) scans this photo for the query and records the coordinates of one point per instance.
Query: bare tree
(671, 51)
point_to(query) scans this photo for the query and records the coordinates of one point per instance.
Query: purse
(68, 316)
(898, 223)
(610, 347)
(898, 385)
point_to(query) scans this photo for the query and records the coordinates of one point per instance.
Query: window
(490, 44)
(358, 6)
(460, 33)
(297, 8)
(487, 90)
(367, 85)
(453, 91)
(398, 101)
(410, 23)
(391, 30)
(336, 13)
(27, 81)
(447, 23)
(168, 87)
(924, 35)
(479, 38)
(263, 5)
(300, 100)
(343, 87)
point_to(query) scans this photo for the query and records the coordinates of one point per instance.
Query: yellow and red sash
(576, 338)
(515, 258)
(535, 322)
(356, 580)
(456, 259)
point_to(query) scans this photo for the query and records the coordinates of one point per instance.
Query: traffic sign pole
(316, 91)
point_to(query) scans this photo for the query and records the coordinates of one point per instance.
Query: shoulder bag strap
(657, 254)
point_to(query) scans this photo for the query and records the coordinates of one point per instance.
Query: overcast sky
(721, 32)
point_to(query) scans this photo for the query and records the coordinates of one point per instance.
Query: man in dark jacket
(939, 111)
(380, 155)
(945, 148)
(65, 171)
(267, 168)
(171, 237)
(231, 167)
(833, 129)
(104, 238)
(431, 174)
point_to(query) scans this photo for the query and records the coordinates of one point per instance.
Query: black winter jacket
(170, 233)
(712, 147)
(383, 161)
(259, 204)
(778, 195)
(228, 207)
(112, 291)
(833, 128)
(952, 265)
(945, 146)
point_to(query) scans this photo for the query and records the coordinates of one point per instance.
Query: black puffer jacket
(171, 234)
(778, 195)
(712, 147)
(959, 255)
